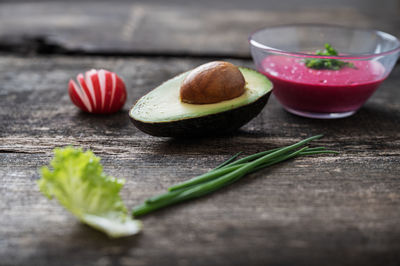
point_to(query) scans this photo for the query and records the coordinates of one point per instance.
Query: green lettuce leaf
(77, 181)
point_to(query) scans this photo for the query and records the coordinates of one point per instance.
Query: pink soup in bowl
(327, 84)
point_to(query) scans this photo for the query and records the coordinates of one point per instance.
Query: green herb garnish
(226, 174)
(320, 63)
(77, 181)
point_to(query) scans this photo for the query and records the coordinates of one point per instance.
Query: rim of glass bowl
(299, 54)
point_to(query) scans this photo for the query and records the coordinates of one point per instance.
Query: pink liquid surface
(322, 91)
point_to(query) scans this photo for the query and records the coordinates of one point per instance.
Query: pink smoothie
(323, 91)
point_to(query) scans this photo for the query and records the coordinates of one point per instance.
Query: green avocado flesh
(163, 104)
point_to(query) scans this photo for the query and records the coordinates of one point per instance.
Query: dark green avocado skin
(215, 124)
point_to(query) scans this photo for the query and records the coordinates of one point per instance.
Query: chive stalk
(267, 154)
(177, 189)
(228, 161)
(227, 173)
(183, 194)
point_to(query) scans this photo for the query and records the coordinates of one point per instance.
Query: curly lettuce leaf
(77, 181)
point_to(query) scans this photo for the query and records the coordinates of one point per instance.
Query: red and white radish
(98, 92)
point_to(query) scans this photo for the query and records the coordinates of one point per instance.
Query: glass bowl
(287, 56)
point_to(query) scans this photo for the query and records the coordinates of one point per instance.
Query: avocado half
(162, 113)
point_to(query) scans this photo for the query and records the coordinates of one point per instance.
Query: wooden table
(327, 210)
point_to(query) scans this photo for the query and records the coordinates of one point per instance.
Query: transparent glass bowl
(281, 53)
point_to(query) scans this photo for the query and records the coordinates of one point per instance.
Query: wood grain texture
(151, 29)
(327, 210)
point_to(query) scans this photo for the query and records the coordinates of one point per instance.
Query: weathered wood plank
(35, 102)
(280, 217)
(134, 28)
(330, 210)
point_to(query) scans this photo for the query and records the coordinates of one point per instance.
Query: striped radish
(98, 92)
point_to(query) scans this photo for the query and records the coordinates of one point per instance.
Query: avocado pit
(212, 82)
